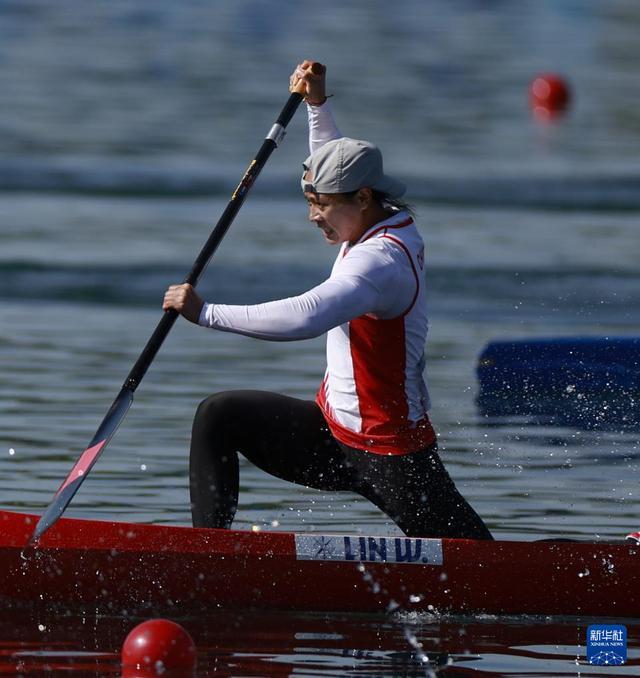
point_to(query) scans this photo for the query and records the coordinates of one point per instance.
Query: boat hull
(117, 567)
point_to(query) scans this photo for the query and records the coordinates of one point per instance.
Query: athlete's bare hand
(313, 74)
(185, 300)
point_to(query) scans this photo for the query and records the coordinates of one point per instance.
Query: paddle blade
(87, 459)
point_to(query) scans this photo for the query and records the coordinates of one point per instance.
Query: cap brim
(392, 187)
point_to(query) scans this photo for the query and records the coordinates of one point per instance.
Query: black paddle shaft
(121, 404)
(168, 319)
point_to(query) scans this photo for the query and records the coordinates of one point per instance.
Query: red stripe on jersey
(384, 431)
(379, 381)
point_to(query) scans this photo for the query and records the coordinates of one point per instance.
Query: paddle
(121, 404)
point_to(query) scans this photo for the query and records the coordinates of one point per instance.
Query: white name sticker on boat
(369, 549)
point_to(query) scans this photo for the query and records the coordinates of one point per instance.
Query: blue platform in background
(588, 382)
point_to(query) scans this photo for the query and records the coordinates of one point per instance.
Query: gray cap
(345, 165)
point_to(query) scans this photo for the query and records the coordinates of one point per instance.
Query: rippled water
(124, 127)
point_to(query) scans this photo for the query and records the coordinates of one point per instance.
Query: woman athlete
(368, 430)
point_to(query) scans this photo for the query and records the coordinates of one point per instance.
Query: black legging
(289, 438)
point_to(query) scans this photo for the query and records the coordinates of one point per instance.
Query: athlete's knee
(217, 411)
(212, 432)
(213, 406)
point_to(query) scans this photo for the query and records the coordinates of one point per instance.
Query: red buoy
(158, 646)
(549, 96)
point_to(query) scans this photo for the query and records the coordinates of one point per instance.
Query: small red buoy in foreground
(158, 646)
(549, 96)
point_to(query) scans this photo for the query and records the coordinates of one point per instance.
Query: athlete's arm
(333, 302)
(322, 126)
(369, 280)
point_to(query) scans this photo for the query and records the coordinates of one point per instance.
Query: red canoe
(112, 567)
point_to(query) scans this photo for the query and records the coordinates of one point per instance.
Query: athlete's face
(341, 218)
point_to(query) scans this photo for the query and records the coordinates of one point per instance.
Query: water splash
(393, 606)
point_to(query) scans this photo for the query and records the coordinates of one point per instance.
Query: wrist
(318, 102)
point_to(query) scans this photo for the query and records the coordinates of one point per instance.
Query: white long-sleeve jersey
(372, 308)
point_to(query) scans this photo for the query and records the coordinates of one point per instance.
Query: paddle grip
(317, 69)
